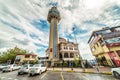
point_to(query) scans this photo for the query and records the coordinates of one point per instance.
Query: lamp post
(82, 64)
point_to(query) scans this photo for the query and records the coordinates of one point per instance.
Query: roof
(103, 29)
(28, 54)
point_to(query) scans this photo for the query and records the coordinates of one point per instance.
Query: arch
(60, 56)
(66, 55)
(71, 55)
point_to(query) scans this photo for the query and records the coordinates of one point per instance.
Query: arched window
(65, 55)
(71, 55)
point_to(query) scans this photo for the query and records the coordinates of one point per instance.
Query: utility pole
(82, 64)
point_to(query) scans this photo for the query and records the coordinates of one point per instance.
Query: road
(49, 75)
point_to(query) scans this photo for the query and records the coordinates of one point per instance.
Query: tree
(10, 54)
(77, 62)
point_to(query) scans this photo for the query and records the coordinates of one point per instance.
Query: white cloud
(20, 14)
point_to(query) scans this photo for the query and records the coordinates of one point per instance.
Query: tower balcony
(53, 13)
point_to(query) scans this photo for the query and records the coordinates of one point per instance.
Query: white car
(11, 68)
(37, 69)
(116, 72)
(24, 69)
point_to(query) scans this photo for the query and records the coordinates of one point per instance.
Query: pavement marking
(3, 77)
(85, 78)
(9, 78)
(44, 75)
(62, 76)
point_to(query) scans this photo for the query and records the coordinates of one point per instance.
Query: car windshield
(3, 64)
(6, 67)
(25, 66)
(36, 65)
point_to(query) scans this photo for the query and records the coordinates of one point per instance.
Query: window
(71, 48)
(93, 49)
(75, 48)
(27, 56)
(118, 52)
(33, 56)
(18, 58)
(65, 47)
(97, 45)
(71, 55)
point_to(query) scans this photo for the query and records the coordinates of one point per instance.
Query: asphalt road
(49, 75)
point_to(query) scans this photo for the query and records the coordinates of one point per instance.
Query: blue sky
(23, 23)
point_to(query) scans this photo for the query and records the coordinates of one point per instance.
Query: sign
(50, 49)
(114, 58)
(113, 44)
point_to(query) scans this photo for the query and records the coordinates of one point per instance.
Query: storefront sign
(113, 44)
(114, 58)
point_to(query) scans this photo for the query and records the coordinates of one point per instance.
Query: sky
(23, 23)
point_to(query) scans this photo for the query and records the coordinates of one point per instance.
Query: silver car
(10, 67)
(24, 69)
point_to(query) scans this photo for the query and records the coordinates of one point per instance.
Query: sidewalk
(102, 70)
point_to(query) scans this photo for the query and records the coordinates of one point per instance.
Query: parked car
(37, 69)
(24, 69)
(116, 72)
(11, 68)
(2, 66)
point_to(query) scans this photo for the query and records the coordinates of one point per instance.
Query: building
(53, 18)
(105, 46)
(59, 48)
(67, 50)
(42, 60)
(25, 58)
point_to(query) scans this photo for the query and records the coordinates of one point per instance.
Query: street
(50, 75)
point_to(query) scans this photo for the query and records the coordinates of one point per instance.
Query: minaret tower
(53, 18)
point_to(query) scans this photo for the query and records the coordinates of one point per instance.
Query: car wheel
(117, 75)
(30, 74)
(3, 71)
(40, 72)
(11, 70)
(19, 73)
(45, 70)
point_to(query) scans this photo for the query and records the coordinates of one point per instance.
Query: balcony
(111, 35)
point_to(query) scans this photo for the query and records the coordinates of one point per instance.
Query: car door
(14, 67)
(43, 68)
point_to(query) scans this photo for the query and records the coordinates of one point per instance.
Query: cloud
(24, 22)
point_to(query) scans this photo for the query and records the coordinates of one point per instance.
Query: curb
(90, 72)
(107, 73)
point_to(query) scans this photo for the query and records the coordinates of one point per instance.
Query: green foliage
(31, 62)
(34, 62)
(76, 62)
(10, 54)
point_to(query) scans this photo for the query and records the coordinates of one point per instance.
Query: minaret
(53, 18)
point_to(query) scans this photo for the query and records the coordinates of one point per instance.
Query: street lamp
(82, 64)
